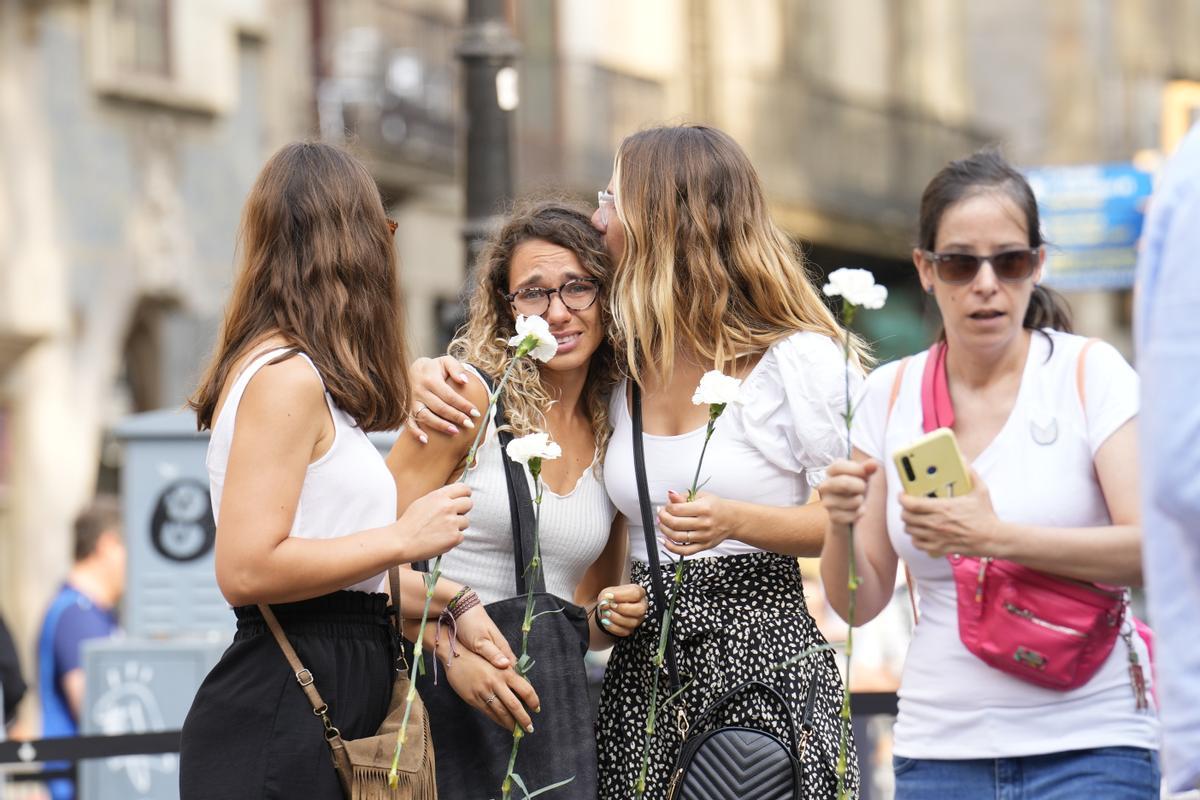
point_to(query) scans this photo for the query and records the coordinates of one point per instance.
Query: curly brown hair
(484, 341)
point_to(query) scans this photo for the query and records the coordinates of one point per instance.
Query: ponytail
(1048, 309)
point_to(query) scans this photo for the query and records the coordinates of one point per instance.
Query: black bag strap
(520, 504)
(769, 691)
(656, 581)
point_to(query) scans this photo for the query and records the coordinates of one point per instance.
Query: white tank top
(346, 490)
(573, 530)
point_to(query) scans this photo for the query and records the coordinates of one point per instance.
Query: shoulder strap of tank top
(520, 504)
(643, 489)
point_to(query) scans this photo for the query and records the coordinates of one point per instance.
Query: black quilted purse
(731, 762)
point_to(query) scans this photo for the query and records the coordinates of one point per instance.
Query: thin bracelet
(457, 596)
(595, 614)
(464, 604)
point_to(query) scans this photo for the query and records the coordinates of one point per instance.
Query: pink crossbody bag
(1048, 630)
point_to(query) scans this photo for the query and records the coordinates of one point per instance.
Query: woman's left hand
(690, 528)
(620, 609)
(964, 525)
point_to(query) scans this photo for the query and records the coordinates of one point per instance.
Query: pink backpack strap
(908, 578)
(896, 386)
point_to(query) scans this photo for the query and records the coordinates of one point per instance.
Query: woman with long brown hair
(310, 358)
(705, 280)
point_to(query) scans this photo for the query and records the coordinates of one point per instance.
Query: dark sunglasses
(1011, 266)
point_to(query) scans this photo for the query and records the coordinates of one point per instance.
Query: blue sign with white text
(1092, 217)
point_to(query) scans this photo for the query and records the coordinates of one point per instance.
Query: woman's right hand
(844, 490)
(438, 403)
(501, 694)
(434, 523)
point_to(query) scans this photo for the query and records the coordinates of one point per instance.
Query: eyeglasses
(577, 295)
(1011, 266)
(608, 203)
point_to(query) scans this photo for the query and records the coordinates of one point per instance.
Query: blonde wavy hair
(704, 264)
(483, 342)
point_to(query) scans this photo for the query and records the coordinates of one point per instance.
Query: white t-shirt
(767, 450)
(952, 705)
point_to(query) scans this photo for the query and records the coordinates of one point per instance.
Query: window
(141, 38)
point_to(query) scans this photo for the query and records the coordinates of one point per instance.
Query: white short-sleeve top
(346, 490)
(952, 705)
(769, 450)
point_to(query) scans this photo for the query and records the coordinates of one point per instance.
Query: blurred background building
(131, 130)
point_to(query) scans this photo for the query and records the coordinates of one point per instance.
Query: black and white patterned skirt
(736, 618)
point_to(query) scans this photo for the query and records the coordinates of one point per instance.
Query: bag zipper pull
(1137, 677)
(983, 565)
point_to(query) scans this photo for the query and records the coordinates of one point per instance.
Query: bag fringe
(371, 783)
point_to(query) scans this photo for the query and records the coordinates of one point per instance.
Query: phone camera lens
(931, 469)
(908, 468)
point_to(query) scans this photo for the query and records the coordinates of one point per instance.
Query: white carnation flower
(717, 389)
(534, 337)
(857, 287)
(534, 445)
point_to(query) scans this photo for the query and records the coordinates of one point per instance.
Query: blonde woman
(546, 261)
(705, 280)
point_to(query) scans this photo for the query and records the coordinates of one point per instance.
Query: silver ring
(420, 407)
(490, 699)
(689, 538)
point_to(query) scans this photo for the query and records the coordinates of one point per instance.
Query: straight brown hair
(317, 267)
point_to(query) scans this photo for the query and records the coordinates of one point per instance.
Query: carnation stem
(665, 633)
(531, 572)
(852, 585)
(435, 572)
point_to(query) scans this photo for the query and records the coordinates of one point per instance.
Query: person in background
(83, 609)
(1167, 331)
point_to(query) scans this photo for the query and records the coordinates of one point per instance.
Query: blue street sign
(1092, 217)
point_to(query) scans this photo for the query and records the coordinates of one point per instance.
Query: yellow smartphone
(933, 466)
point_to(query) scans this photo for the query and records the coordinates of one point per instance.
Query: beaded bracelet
(462, 602)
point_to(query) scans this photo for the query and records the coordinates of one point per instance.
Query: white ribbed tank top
(573, 529)
(346, 490)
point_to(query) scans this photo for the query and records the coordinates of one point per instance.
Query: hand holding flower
(966, 525)
(844, 490)
(693, 527)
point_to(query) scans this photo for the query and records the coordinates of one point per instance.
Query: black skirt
(737, 617)
(251, 732)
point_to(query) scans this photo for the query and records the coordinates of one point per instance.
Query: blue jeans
(1111, 773)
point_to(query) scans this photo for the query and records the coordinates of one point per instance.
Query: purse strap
(656, 581)
(307, 681)
(934, 384)
(771, 692)
(520, 503)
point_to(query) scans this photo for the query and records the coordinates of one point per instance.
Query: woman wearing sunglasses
(547, 260)
(1047, 424)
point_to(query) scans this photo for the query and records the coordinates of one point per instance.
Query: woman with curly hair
(547, 261)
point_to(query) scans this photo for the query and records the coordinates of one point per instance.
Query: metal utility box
(140, 686)
(171, 589)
